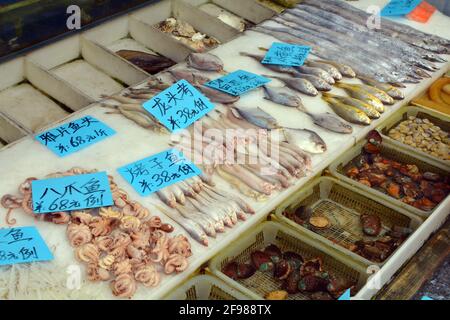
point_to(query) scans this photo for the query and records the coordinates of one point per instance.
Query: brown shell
(245, 270)
(320, 295)
(312, 283)
(294, 259)
(371, 224)
(231, 270)
(311, 267)
(282, 270)
(338, 285)
(291, 283)
(261, 261)
(274, 252)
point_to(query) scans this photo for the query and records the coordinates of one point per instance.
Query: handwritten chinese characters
(156, 172)
(399, 7)
(75, 135)
(238, 82)
(71, 193)
(179, 106)
(286, 54)
(22, 244)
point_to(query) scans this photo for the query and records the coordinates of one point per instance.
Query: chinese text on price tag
(71, 193)
(156, 172)
(286, 54)
(238, 82)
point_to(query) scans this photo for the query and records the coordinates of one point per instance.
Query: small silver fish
(332, 70)
(188, 75)
(217, 96)
(283, 97)
(330, 122)
(316, 72)
(305, 139)
(317, 82)
(298, 84)
(258, 117)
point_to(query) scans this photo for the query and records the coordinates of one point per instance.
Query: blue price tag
(21, 245)
(70, 193)
(238, 82)
(399, 7)
(179, 106)
(156, 172)
(286, 54)
(75, 135)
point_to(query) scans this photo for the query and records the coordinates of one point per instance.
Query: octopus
(123, 243)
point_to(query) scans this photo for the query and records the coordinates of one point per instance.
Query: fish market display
(363, 95)
(186, 34)
(150, 63)
(368, 109)
(123, 244)
(298, 84)
(293, 273)
(377, 241)
(421, 189)
(347, 112)
(424, 135)
(205, 62)
(338, 34)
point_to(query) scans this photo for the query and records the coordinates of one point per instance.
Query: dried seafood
(150, 63)
(186, 34)
(422, 134)
(123, 243)
(292, 272)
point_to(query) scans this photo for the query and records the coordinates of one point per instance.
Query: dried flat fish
(150, 63)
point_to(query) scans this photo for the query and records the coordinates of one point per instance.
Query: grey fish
(316, 72)
(217, 96)
(188, 75)
(331, 122)
(305, 139)
(298, 84)
(330, 69)
(317, 82)
(258, 117)
(283, 97)
(205, 61)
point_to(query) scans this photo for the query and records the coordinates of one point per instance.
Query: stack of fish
(337, 31)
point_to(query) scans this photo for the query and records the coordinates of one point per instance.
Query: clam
(282, 270)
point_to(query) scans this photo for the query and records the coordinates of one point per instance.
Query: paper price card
(21, 245)
(156, 172)
(399, 7)
(178, 106)
(238, 82)
(75, 135)
(286, 54)
(82, 191)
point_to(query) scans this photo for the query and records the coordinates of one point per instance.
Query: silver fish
(331, 70)
(298, 84)
(318, 83)
(205, 61)
(331, 122)
(258, 117)
(217, 96)
(283, 97)
(188, 75)
(305, 139)
(316, 72)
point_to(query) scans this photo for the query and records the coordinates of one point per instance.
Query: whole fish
(385, 87)
(330, 69)
(345, 70)
(361, 105)
(283, 97)
(316, 72)
(217, 96)
(380, 94)
(274, 67)
(318, 83)
(330, 122)
(305, 139)
(349, 113)
(258, 117)
(188, 75)
(150, 63)
(363, 95)
(205, 61)
(298, 84)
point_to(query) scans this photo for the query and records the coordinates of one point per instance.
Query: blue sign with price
(286, 54)
(156, 172)
(70, 193)
(22, 245)
(238, 82)
(75, 135)
(399, 7)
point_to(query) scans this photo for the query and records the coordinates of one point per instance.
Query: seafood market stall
(321, 115)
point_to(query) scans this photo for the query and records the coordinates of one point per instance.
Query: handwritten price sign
(399, 7)
(71, 193)
(286, 54)
(156, 172)
(20, 245)
(238, 82)
(178, 106)
(75, 135)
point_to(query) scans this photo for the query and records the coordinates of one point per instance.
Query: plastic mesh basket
(439, 119)
(261, 283)
(343, 205)
(205, 287)
(393, 152)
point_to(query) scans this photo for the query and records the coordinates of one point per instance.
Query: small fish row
(202, 209)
